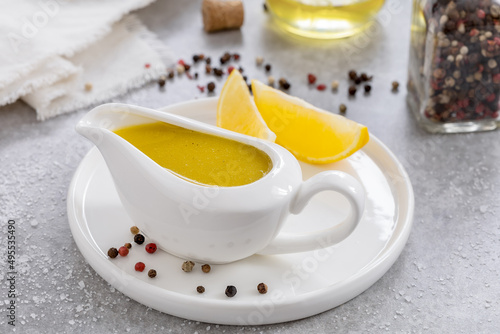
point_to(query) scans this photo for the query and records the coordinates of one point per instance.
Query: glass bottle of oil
(326, 19)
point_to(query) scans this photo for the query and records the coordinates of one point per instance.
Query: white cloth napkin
(54, 48)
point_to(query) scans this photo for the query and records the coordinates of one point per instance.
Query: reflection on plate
(300, 285)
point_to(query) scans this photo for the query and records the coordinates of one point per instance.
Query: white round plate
(300, 285)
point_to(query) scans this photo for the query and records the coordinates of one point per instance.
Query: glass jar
(324, 19)
(454, 68)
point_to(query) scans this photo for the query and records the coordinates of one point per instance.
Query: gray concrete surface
(447, 280)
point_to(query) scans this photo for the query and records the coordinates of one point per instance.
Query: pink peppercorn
(151, 248)
(123, 251)
(147, 65)
(321, 87)
(481, 14)
(139, 266)
(230, 69)
(311, 78)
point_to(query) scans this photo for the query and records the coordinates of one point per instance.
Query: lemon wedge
(236, 110)
(311, 134)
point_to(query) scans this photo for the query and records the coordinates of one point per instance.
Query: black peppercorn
(211, 87)
(342, 108)
(170, 73)
(113, 252)
(352, 90)
(365, 77)
(368, 88)
(162, 81)
(262, 288)
(267, 67)
(218, 72)
(196, 58)
(208, 60)
(200, 289)
(139, 239)
(395, 86)
(353, 75)
(357, 81)
(152, 273)
(231, 291)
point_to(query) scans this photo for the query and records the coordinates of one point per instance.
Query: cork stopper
(222, 14)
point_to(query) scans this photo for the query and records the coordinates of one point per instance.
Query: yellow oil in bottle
(326, 19)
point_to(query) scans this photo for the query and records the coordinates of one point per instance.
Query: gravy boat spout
(204, 223)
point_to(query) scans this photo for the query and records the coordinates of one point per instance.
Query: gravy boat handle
(331, 180)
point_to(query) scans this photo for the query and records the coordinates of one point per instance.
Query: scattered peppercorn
(218, 72)
(240, 69)
(321, 87)
(270, 80)
(134, 230)
(139, 239)
(187, 67)
(311, 78)
(236, 56)
(162, 80)
(225, 58)
(208, 61)
(259, 61)
(187, 266)
(196, 58)
(245, 78)
(123, 251)
(352, 90)
(201, 88)
(208, 69)
(200, 288)
(335, 85)
(88, 87)
(395, 86)
(342, 108)
(152, 273)
(151, 248)
(128, 245)
(139, 266)
(368, 88)
(147, 65)
(262, 288)
(230, 69)
(170, 73)
(180, 69)
(284, 83)
(211, 86)
(113, 252)
(352, 75)
(267, 67)
(196, 75)
(205, 268)
(365, 77)
(357, 81)
(231, 291)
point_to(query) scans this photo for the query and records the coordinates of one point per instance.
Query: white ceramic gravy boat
(206, 223)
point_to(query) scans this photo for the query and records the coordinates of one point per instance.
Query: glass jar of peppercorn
(454, 68)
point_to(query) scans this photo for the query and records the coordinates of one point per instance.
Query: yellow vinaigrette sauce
(199, 157)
